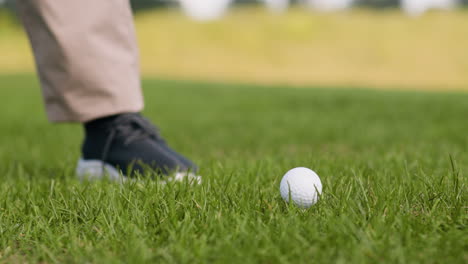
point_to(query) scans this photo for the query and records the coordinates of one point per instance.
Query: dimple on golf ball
(303, 185)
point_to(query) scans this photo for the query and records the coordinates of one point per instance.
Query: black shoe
(129, 145)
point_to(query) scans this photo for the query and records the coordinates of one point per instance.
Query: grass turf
(393, 165)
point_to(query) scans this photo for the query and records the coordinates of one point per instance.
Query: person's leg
(87, 60)
(86, 57)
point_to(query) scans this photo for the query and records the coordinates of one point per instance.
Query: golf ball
(302, 185)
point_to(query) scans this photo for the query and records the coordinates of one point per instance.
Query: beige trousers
(86, 56)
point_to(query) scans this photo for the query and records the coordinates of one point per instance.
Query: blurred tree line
(145, 4)
(142, 4)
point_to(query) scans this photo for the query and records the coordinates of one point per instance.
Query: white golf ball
(302, 185)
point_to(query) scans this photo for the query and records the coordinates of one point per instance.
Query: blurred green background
(373, 44)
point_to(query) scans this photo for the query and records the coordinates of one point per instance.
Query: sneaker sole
(97, 170)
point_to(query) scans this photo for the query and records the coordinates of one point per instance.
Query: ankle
(96, 134)
(99, 123)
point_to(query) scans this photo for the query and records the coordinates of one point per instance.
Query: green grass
(391, 192)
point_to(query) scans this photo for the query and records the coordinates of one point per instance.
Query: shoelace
(132, 127)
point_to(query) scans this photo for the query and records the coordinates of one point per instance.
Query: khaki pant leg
(86, 56)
